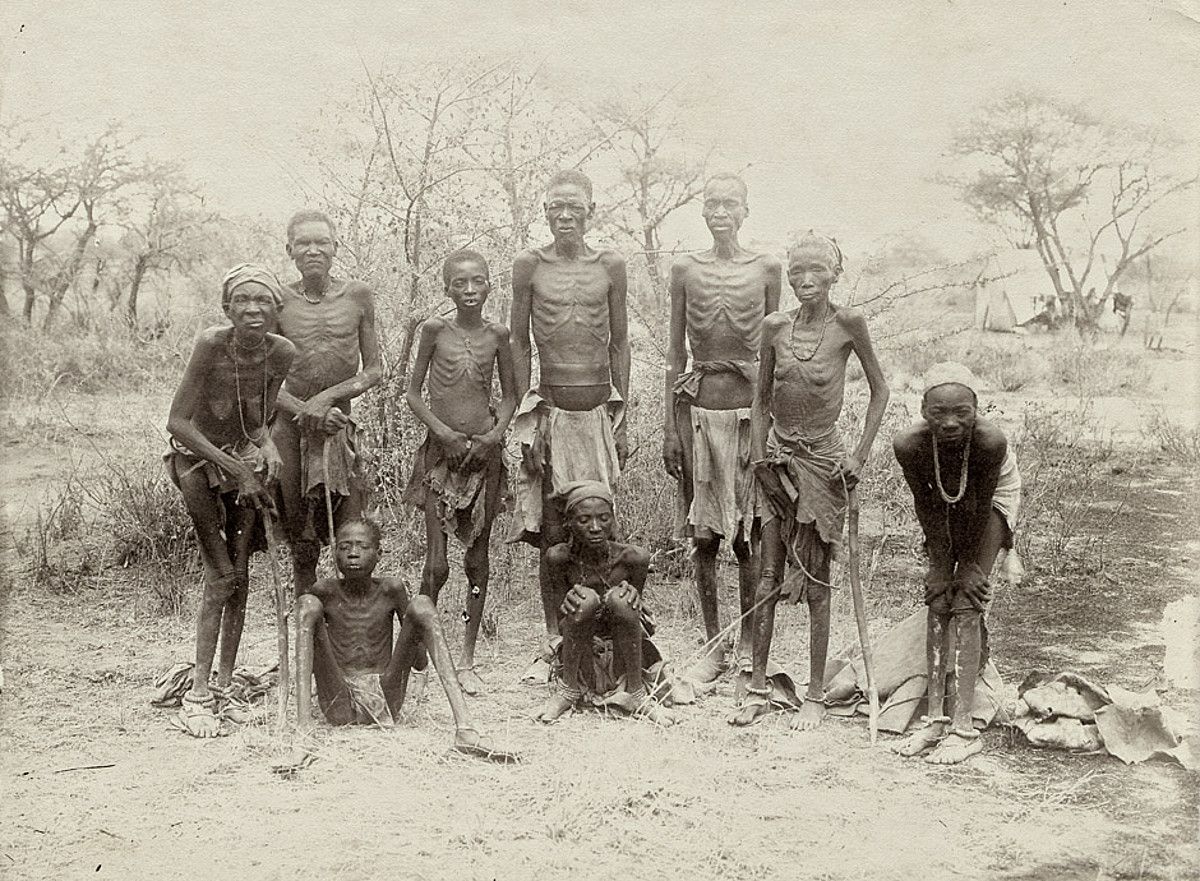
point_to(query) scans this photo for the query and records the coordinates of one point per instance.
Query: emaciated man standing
(332, 324)
(570, 426)
(718, 298)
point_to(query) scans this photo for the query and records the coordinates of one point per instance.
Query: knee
(767, 589)
(965, 617)
(585, 609)
(422, 610)
(309, 610)
(706, 548)
(220, 589)
(437, 572)
(817, 596)
(620, 611)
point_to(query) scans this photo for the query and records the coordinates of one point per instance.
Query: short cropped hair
(369, 525)
(305, 215)
(574, 177)
(730, 176)
(462, 256)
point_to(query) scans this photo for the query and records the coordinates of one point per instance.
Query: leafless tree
(1078, 189)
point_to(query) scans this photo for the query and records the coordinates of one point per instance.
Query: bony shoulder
(433, 325)
(612, 260)
(558, 554)
(850, 317)
(776, 320)
(281, 346)
(359, 289)
(634, 555)
(498, 330)
(908, 441)
(211, 337)
(989, 438)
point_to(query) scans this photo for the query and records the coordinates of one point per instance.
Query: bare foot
(469, 681)
(957, 746)
(812, 711)
(196, 716)
(753, 708)
(554, 707)
(926, 737)
(470, 742)
(418, 682)
(648, 709)
(709, 668)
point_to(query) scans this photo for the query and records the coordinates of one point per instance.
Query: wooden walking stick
(329, 501)
(280, 618)
(860, 614)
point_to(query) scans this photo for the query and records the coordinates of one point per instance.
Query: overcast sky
(842, 113)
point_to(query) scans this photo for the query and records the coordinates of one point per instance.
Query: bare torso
(726, 304)
(460, 376)
(231, 403)
(360, 624)
(620, 562)
(809, 391)
(570, 323)
(326, 335)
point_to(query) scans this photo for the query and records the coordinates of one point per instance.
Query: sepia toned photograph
(503, 442)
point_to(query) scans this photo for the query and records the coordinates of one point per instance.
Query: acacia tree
(1053, 175)
(164, 228)
(659, 174)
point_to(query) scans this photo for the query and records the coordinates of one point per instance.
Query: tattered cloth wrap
(901, 676)
(580, 445)
(245, 272)
(367, 700)
(461, 494)
(724, 497)
(179, 462)
(687, 385)
(1066, 711)
(344, 475)
(805, 467)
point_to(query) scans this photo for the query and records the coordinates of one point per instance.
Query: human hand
(848, 470)
(627, 593)
(974, 585)
(456, 446)
(673, 455)
(483, 448)
(580, 603)
(312, 412)
(267, 459)
(533, 456)
(252, 494)
(335, 420)
(937, 582)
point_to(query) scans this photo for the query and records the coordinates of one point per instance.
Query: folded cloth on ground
(1068, 711)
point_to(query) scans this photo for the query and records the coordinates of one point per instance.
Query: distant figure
(966, 491)
(1122, 305)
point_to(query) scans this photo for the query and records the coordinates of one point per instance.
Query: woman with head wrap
(803, 470)
(966, 491)
(223, 461)
(605, 651)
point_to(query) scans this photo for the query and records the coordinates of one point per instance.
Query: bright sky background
(842, 112)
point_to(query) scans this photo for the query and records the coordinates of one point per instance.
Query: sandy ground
(596, 797)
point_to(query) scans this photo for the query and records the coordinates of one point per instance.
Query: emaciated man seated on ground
(345, 640)
(332, 324)
(803, 470)
(223, 461)
(966, 491)
(569, 427)
(601, 582)
(458, 478)
(719, 298)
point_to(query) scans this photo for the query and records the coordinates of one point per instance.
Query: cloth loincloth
(580, 445)
(811, 525)
(723, 487)
(687, 385)
(344, 478)
(179, 462)
(461, 495)
(368, 701)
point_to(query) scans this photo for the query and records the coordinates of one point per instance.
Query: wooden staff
(280, 618)
(860, 614)
(329, 501)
